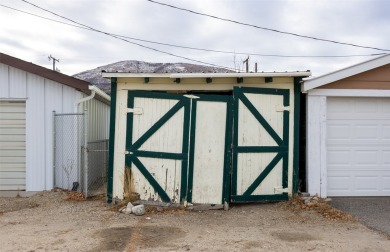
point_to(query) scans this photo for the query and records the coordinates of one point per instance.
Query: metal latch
(192, 96)
(280, 190)
(135, 111)
(279, 108)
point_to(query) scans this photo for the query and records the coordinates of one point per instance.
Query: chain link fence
(78, 165)
(97, 152)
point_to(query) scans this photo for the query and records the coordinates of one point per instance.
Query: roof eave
(346, 72)
(205, 75)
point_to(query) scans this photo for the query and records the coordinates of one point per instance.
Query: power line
(121, 38)
(203, 49)
(265, 28)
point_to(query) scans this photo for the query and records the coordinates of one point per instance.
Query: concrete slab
(12, 194)
(374, 212)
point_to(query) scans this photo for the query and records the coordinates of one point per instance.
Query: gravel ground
(49, 222)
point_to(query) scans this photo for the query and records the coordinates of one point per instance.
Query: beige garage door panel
(12, 145)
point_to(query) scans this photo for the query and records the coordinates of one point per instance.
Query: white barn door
(176, 147)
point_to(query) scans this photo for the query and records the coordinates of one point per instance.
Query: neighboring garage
(29, 95)
(348, 131)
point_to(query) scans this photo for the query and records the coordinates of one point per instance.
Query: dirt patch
(88, 225)
(293, 236)
(113, 239)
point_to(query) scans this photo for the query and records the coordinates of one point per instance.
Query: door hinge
(135, 111)
(280, 190)
(279, 108)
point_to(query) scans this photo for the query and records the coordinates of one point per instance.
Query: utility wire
(123, 39)
(267, 29)
(203, 49)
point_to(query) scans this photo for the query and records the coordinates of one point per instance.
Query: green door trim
(134, 153)
(297, 110)
(111, 151)
(281, 149)
(225, 178)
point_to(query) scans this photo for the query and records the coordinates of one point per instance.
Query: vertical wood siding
(209, 153)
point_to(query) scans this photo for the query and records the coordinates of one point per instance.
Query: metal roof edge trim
(346, 72)
(44, 72)
(206, 75)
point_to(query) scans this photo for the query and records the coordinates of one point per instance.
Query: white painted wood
(252, 133)
(169, 138)
(250, 166)
(119, 145)
(316, 150)
(349, 92)
(166, 172)
(346, 72)
(358, 145)
(12, 145)
(209, 152)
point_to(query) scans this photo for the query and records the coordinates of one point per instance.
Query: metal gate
(176, 149)
(79, 165)
(260, 154)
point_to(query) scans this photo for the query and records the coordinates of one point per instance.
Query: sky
(33, 39)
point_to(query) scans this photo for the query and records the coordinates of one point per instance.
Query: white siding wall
(316, 145)
(42, 97)
(98, 119)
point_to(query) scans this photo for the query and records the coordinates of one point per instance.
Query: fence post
(54, 149)
(85, 153)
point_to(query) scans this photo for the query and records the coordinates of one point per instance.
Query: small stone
(129, 208)
(315, 198)
(328, 200)
(138, 210)
(307, 201)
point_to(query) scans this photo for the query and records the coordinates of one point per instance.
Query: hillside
(93, 76)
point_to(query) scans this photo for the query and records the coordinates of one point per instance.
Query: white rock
(138, 210)
(129, 207)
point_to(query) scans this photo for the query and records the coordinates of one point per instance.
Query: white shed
(207, 138)
(28, 96)
(348, 131)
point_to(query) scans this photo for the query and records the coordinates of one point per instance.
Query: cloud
(360, 21)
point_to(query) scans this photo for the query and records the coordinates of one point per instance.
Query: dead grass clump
(74, 196)
(297, 203)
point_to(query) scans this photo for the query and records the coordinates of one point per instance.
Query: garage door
(12, 145)
(358, 146)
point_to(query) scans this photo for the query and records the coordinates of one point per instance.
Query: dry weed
(74, 196)
(320, 206)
